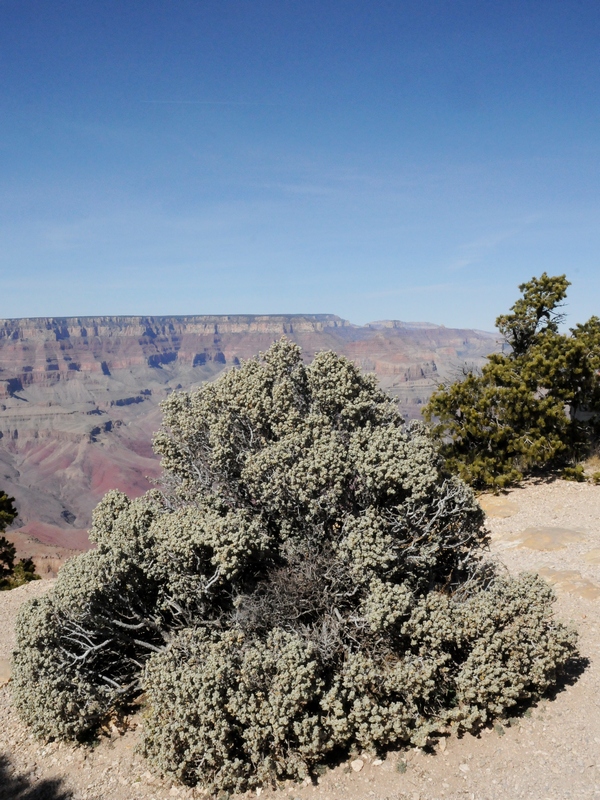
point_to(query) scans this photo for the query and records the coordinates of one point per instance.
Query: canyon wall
(79, 397)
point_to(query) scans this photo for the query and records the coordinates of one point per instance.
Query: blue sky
(377, 160)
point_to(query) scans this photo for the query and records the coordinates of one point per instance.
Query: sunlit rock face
(79, 396)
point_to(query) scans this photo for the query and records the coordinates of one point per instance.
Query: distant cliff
(79, 396)
(48, 349)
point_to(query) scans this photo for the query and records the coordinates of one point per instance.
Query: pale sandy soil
(553, 753)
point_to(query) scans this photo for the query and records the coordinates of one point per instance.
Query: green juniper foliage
(8, 512)
(11, 574)
(305, 582)
(533, 407)
(8, 553)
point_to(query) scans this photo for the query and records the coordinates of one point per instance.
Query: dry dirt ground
(552, 752)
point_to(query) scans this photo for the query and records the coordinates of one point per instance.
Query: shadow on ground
(573, 670)
(21, 787)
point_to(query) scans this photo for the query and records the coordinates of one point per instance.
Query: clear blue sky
(405, 160)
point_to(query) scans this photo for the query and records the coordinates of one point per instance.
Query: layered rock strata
(79, 397)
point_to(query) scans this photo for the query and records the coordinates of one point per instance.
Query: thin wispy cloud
(299, 188)
(475, 251)
(206, 102)
(405, 290)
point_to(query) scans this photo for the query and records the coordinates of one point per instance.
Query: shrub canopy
(305, 581)
(534, 406)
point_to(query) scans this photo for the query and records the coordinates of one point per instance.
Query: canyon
(80, 398)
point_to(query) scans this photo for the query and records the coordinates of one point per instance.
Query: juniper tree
(8, 512)
(305, 580)
(11, 574)
(8, 551)
(534, 406)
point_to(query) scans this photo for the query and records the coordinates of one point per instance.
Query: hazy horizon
(304, 315)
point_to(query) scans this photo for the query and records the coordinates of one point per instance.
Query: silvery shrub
(305, 581)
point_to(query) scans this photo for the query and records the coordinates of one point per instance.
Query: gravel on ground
(551, 753)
